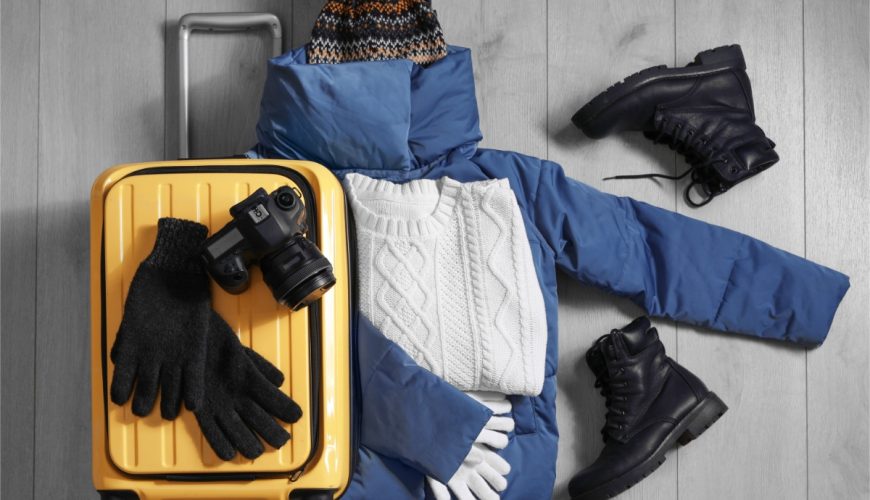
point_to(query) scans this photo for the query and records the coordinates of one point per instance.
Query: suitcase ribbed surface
(151, 445)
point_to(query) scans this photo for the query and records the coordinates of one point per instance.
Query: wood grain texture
(304, 14)
(758, 449)
(77, 99)
(509, 50)
(591, 46)
(227, 71)
(19, 44)
(101, 103)
(838, 235)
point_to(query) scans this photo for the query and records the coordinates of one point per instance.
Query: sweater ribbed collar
(360, 187)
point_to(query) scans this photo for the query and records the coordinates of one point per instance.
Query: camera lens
(301, 296)
(298, 274)
(285, 199)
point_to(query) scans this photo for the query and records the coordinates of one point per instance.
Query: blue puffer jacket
(399, 121)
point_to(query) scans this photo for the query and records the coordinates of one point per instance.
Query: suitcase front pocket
(291, 341)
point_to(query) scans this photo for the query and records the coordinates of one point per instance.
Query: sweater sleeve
(682, 268)
(409, 413)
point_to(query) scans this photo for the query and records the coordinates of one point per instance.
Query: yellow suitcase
(150, 458)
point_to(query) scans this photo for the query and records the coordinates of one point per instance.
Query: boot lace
(613, 383)
(699, 153)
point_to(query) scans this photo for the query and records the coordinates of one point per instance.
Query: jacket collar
(377, 116)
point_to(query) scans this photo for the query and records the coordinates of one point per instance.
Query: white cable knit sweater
(446, 272)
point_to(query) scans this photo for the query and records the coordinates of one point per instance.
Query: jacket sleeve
(682, 268)
(409, 413)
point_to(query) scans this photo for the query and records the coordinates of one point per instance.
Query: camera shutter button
(230, 269)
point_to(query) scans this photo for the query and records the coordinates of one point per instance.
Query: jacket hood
(369, 116)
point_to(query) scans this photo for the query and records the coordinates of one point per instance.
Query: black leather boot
(652, 404)
(703, 111)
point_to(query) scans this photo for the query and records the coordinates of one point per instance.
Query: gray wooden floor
(90, 83)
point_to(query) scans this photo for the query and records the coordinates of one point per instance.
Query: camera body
(269, 229)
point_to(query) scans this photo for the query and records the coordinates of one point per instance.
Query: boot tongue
(638, 335)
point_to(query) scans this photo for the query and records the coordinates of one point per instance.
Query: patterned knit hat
(361, 30)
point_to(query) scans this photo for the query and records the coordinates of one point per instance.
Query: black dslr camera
(270, 228)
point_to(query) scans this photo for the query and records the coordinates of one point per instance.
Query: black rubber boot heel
(732, 55)
(703, 416)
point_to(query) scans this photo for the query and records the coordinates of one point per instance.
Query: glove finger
(497, 462)
(239, 434)
(475, 456)
(263, 424)
(500, 424)
(146, 389)
(215, 437)
(499, 407)
(497, 440)
(481, 488)
(460, 489)
(496, 480)
(122, 382)
(497, 403)
(482, 396)
(271, 399)
(439, 489)
(272, 373)
(121, 346)
(193, 384)
(170, 392)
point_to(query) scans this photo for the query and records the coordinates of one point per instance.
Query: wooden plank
(111, 109)
(18, 153)
(758, 449)
(227, 71)
(510, 70)
(592, 45)
(304, 14)
(837, 219)
(101, 103)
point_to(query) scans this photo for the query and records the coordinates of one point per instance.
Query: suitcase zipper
(315, 353)
(355, 388)
(353, 372)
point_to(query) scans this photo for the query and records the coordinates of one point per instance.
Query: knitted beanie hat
(363, 30)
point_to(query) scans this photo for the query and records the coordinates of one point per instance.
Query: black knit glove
(161, 341)
(241, 397)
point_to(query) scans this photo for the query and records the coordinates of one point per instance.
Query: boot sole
(698, 420)
(709, 62)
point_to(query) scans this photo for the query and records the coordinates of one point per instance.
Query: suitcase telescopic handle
(218, 21)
